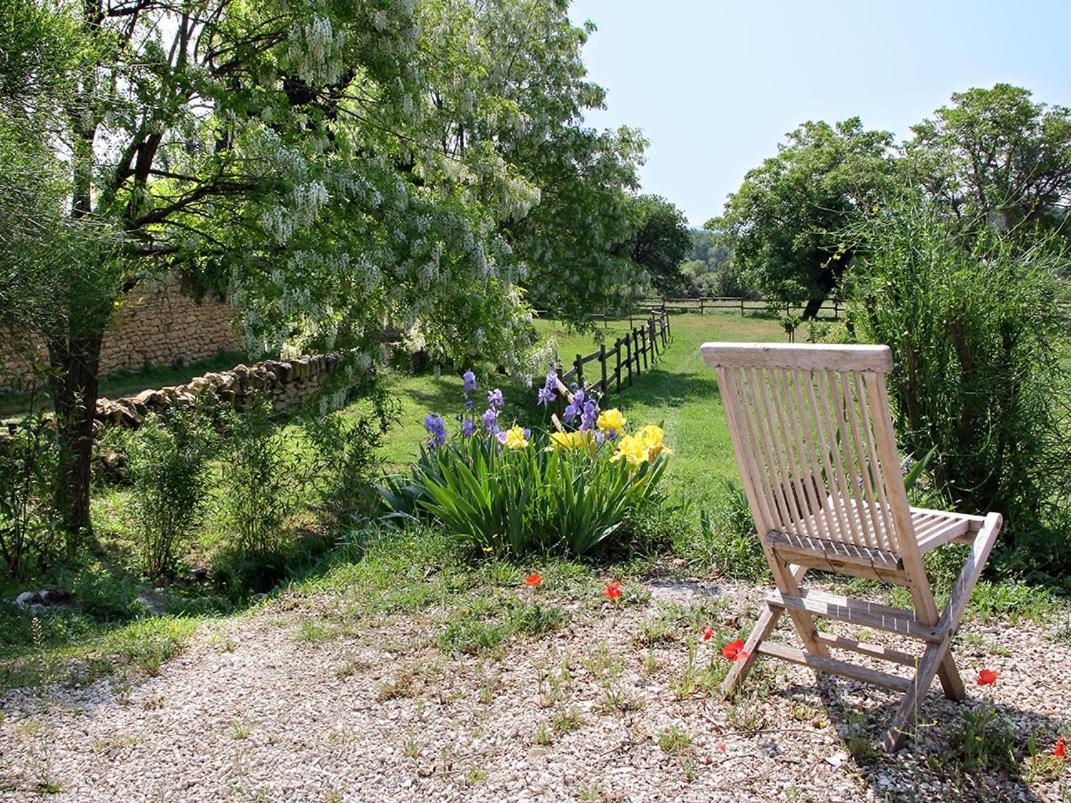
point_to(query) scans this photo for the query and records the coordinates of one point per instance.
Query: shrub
(259, 488)
(167, 464)
(977, 372)
(27, 465)
(509, 490)
(345, 456)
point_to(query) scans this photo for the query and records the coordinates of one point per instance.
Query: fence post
(653, 339)
(628, 357)
(602, 367)
(668, 332)
(636, 347)
(643, 345)
(617, 366)
(579, 365)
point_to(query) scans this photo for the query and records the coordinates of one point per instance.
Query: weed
(674, 740)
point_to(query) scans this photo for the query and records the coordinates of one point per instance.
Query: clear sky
(715, 85)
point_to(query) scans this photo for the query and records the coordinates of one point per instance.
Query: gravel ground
(592, 712)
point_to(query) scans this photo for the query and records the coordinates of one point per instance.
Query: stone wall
(156, 324)
(287, 383)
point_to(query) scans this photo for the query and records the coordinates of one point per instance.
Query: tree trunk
(75, 366)
(813, 307)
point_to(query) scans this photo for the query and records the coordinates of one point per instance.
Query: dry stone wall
(287, 383)
(157, 324)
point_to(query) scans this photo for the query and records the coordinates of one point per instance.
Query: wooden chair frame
(813, 437)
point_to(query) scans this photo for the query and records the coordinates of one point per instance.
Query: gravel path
(252, 711)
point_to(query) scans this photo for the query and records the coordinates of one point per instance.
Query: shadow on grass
(661, 387)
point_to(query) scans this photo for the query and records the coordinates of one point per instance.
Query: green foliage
(167, 462)
(785, 221)
(345, 456)
(994, 158)
(258, 489)
(660, 241)
(986, 742)
(27, 523)
(976, 350)
(520, 500)
(709, 268)
(726, 539)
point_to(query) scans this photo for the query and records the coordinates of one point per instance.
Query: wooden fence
(703, 304)
(612, 367)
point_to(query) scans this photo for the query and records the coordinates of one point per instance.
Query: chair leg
(939, 656)
(951, 682)
(932, 658)
(740, 668)
(788, 579)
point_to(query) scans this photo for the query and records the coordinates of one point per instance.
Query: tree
(785, 219)
(660, 241)
(995, 158)
(337, 165)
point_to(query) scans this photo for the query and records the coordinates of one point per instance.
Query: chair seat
(933, 528)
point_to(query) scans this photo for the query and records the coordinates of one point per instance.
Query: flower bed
(508, 489)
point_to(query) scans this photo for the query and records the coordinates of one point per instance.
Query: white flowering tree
(342, 167)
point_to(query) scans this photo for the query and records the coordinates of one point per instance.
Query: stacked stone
(287, 383)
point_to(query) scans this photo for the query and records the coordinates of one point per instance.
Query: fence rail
(702, 304)
(617, 364)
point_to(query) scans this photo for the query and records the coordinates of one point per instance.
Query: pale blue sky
(715, 85)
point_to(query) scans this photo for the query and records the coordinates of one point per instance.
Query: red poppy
(1060, 751)
(734, 650)
(533, 580)
(708, 633)
(612, 590)
(720, 747)
(987, 677)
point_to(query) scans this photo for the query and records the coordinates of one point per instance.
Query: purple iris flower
(589, 416)
(468, 404)
(467, 428)
(494, 398)
(527, 434)
(468, 381)
(547, 392)
(599, 437)
(436, 428)
(575, 407)
(490, 421)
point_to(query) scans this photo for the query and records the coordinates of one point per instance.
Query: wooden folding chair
(813, 437)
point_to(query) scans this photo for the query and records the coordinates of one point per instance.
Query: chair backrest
(813, 437)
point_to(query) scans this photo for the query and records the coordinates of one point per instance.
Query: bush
(976, 346)
(512, 491)
(345, 456)
(167, 464)
(28, 526)
(259, 488)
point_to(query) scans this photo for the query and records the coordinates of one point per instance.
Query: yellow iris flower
(611, 421)
(566, 441)
(515, 438)
(643, 447)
